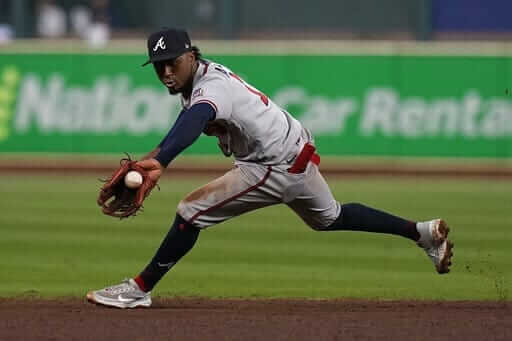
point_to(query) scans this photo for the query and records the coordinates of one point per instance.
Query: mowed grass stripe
(55, 242)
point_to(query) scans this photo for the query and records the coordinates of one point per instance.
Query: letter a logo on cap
(159, 44)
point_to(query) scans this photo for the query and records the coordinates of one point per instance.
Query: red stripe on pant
(224, 202)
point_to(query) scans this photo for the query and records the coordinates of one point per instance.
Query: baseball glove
(117, 200)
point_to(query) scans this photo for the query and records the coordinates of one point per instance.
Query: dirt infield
(202, 319)
(196, 167)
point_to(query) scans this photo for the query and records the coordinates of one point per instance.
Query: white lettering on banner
(97, 116)
(411, 116)
(470, 108)
(113, 105)
(495, 122)
(385, 113)
(378, 111)
(31, 99)
(109, 106)
(319, 113)
(441, 118)
(141, 109)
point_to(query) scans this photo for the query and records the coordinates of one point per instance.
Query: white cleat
(124, 295)
(434, 240)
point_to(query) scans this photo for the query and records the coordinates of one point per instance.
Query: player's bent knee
(322, 219)
(323, 224)
(183, 208)
(189, 211)
(319, 227)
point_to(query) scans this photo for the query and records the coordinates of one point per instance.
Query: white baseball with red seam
(133, 179)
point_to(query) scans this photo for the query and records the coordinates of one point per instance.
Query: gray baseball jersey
(248, 124)
(265, 141)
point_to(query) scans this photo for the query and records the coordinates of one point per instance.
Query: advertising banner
(355, 105)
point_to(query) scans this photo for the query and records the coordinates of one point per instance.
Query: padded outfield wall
(382, 99)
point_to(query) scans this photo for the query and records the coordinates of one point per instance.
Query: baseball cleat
(434, 240)
(124, 295)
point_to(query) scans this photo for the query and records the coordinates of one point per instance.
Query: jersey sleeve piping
(205, 70)
(208, 102)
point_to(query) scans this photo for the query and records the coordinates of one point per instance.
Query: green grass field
(55, 242)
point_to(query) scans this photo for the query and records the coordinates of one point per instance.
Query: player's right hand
(153, 167)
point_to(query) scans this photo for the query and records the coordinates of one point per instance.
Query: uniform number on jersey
(263, 98)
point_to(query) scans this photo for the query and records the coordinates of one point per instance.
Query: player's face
(176, 73)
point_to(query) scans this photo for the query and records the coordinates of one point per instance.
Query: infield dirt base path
(204, 319)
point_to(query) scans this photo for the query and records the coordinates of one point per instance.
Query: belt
(308, 153)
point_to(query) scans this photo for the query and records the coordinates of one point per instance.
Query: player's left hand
(153, 168)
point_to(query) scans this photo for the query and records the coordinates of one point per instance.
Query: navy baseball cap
(167, 44)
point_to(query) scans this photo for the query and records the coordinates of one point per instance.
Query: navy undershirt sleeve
(173, 129)
(187, 128)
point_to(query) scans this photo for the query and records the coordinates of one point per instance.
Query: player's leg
(358, 217)
(241, 190)
(234, 193)
(180, 239)
(230, 195)
(430, 235)
(320, 210)
(135, 292)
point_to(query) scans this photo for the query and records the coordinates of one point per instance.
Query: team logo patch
(160, 44)
(197, 92)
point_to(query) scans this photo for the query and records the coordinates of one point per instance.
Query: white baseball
(133, 179)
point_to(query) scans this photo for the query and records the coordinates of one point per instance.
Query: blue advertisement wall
(472, 15)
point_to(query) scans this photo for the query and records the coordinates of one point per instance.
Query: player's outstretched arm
(188, 127)
(155, 151)
(177, 125)
(151, 154)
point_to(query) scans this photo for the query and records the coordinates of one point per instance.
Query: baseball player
(275, 162)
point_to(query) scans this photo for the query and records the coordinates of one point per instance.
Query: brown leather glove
(117, 200)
